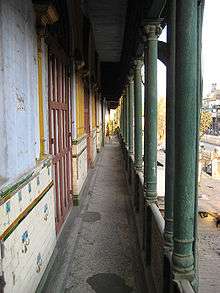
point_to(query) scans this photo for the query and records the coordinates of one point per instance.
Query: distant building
(212, 103)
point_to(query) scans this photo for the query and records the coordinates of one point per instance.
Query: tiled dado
(98, 138)
(79, 154)
(94, 142)
(15, 199)
(28, 230)
(28, 248)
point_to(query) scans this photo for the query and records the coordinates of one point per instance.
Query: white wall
(19, 133)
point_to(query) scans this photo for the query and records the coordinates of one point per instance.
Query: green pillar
(185, 138)
(200, 12)
(138, 115)
(170, 127)
(125, 120)
(131, 115)
(152, 31)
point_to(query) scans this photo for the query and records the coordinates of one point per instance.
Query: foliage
(205, 122)
(161, 120)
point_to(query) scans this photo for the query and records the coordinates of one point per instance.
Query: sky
(210, 50)
(211, 45)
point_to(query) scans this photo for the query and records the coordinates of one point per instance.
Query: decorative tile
(24, 236)
(29, 187)
(8, 207)
(19, 196)
(46, 211)
(25, 241)
(34, 238)
(39, 262)
(4, 219)
(20, 202)
(13, 278)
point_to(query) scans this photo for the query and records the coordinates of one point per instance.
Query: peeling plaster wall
(19, 146)
(2, 106)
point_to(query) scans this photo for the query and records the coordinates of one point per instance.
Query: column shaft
(138, 115)
(103, 122)
(121, 118)
(125, 120)
(170, 127)
(150, 131)
(185, 137)
(200, 12)
(131, 116)
(128, 117)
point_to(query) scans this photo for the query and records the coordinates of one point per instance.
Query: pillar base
(168, 241)
(183, 266)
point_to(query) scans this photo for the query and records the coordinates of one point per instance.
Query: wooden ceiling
(108, 21)
(117, 26)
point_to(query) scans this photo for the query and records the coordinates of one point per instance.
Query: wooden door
(60, 135)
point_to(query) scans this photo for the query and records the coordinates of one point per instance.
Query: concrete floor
(209, 256)
(98, 249)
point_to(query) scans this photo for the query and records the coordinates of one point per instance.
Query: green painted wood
(138, 115)
(185, 138)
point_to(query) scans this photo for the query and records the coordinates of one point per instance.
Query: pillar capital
(152, 30)
(138, 63)
(130, 79)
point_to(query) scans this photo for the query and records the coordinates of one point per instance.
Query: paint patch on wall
(20, 105)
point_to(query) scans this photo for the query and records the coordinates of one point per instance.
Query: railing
(150, 227)
(157, 246)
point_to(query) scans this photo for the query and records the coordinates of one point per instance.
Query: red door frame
(60, 134)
